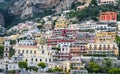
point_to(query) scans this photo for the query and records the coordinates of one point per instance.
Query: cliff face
(1, 19)
(30, 7)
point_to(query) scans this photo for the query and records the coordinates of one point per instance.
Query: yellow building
(61, 23)
(33, 54)
(106, 37)
(2, 39)
(108, 49)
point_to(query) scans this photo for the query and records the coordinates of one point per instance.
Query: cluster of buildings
(67, 45)
(99, 2)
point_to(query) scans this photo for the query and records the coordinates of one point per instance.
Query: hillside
(16, 11)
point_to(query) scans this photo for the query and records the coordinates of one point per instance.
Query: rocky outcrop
(1, 19)
(64, 5)
(30, 7)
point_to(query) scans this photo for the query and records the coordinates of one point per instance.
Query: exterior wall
(108, 17)
(61, 23)
(85, 37)
(76, 63)
(102, 2)
(35, 54)
(48, 26)
(64, 51)
(8, 65)
(6, 48)
(105, 37)
(78, 49)
(110, 49)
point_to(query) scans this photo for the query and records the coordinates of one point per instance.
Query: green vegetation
(56, 48)
(23, 64)
(102, 66)
(75, 5)
(93, 67)
(42, 65)
(11, 20)
(1, 51)
(96, 55)
(0, 70)
(12, 41)
(11, 71)
(93, 11)
(114, 71)
(12, 52)
(32, 68)
(39, 27)
(118, 43)
(53, 70)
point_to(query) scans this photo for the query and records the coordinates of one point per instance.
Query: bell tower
(6, 48)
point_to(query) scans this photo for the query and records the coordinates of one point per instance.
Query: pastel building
(32, 53)
(103, 2)
(78, 48)
(108, 49)
(61, 23)
(7, 62)
(108, 17)
(85, 37)
(64, 53)
(104, 44)
(105, 27)
(105, 37)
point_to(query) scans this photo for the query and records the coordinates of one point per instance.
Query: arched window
(36, 60)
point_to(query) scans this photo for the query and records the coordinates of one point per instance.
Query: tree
(1, 51)
(106, 65)
(93, 67)
(12, 52)
(114, 71)
(0, 70)
(11, 71)
(50, 70)
(34, 69)
(22, 64)
(42, 65)
(93, 2)
(39, 27)
(57, 69)
(107, 62)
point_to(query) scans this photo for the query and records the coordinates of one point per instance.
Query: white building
(32, 53)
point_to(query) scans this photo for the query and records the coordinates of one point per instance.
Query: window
(26, 51)
(62, 49)
(49, 60)
(22, 51)
(32, 59)
(6, 49)
(30, 51)
(6, 54)
(40, 59)
(34, 52)
(36, 60)
(26, 60)
(42, 51)
(18, 51)
(45, 60)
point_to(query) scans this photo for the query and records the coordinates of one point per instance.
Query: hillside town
(57, 45)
